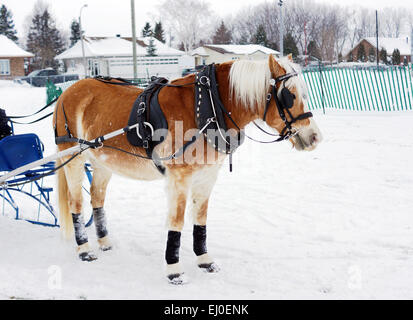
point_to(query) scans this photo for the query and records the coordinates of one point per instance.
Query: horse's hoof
(87, 256)
(209, 267)
(105, 248)
(177, 279)
(105, 244)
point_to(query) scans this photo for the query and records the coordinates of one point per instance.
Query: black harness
(153, 126)
(209, 109)
(210, 116)
(284, 103)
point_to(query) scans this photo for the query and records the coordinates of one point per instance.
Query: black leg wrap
(200, 234)
(172, 247)
(100, 222)
(80, 229)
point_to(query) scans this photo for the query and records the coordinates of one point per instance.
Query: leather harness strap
(210, 117)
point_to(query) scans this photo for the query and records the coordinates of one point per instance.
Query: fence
(383, 88)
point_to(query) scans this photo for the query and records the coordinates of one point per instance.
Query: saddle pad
(153, 116)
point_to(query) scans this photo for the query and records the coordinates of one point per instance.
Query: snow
(335, 223)
(246, 49)
(115, 47)
(390, 44)
(9, 49)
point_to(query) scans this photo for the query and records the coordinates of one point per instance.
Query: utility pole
(377, 38)
(280, 3)
(83, 40)
(135, 63)
(411, 47)
(305, 43)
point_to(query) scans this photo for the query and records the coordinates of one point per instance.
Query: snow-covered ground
(336, 223)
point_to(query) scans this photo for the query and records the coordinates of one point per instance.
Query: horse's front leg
(202, 185)
(177, 189)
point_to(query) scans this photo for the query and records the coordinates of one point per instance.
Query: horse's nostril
(314, 138)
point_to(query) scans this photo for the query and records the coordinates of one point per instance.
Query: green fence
(384, 88)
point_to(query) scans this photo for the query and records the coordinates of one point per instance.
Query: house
(12, 59)
(218, 53)
(389, 44)
(113, 56)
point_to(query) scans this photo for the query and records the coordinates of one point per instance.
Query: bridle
(284, 104)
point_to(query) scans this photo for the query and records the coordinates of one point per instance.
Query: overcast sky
(109, 17)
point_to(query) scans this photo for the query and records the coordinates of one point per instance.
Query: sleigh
(26, 196)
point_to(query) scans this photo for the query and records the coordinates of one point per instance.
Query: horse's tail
(65, 217)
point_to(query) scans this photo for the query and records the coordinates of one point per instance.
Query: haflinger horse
(93, 108)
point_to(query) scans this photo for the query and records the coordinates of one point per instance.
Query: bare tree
(189, 20)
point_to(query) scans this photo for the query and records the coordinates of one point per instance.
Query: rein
(283, 105)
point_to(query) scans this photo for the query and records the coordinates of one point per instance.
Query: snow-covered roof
(403, 44)
(9, 49)
(116, 47)
(240, 49)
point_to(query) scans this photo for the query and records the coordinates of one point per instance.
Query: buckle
(145, 144)
(142, 108)
(207, 81)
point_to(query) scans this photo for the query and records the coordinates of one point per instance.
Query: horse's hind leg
(74, 172)
(202, 184)
(101, 178)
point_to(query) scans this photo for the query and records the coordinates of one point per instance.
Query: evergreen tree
(147, 30)
(396, 59)
(290, 46)
(260, 36)
(361, 54)
(44, 40)
(6, 24)
(159, 32)
(383, 55)
(75, 33)
(313, 50)
(151, 48)
(222, 35)
(372, 54)
(244, 39)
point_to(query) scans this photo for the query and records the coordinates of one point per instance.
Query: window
(4, 67)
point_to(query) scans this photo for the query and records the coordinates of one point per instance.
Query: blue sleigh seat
(19, 150)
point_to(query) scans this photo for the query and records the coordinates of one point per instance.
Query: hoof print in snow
(209, 267)
(177, 279)
(87, 256)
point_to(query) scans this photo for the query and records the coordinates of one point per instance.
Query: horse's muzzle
(308, 138)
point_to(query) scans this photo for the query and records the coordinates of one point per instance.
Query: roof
(240, 49)
(10, 49)
(115, 47)
(403, 44)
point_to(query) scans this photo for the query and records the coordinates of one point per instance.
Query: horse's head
(288, 112)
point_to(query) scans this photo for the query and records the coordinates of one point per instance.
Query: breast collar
(210, 113)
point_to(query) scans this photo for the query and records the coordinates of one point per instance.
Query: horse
(248, 90)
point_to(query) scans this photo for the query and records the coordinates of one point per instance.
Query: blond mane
(250, 81)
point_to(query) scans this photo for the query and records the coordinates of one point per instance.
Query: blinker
(287, 98)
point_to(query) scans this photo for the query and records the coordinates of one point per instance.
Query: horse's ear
(290, 57)
(275, 67)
